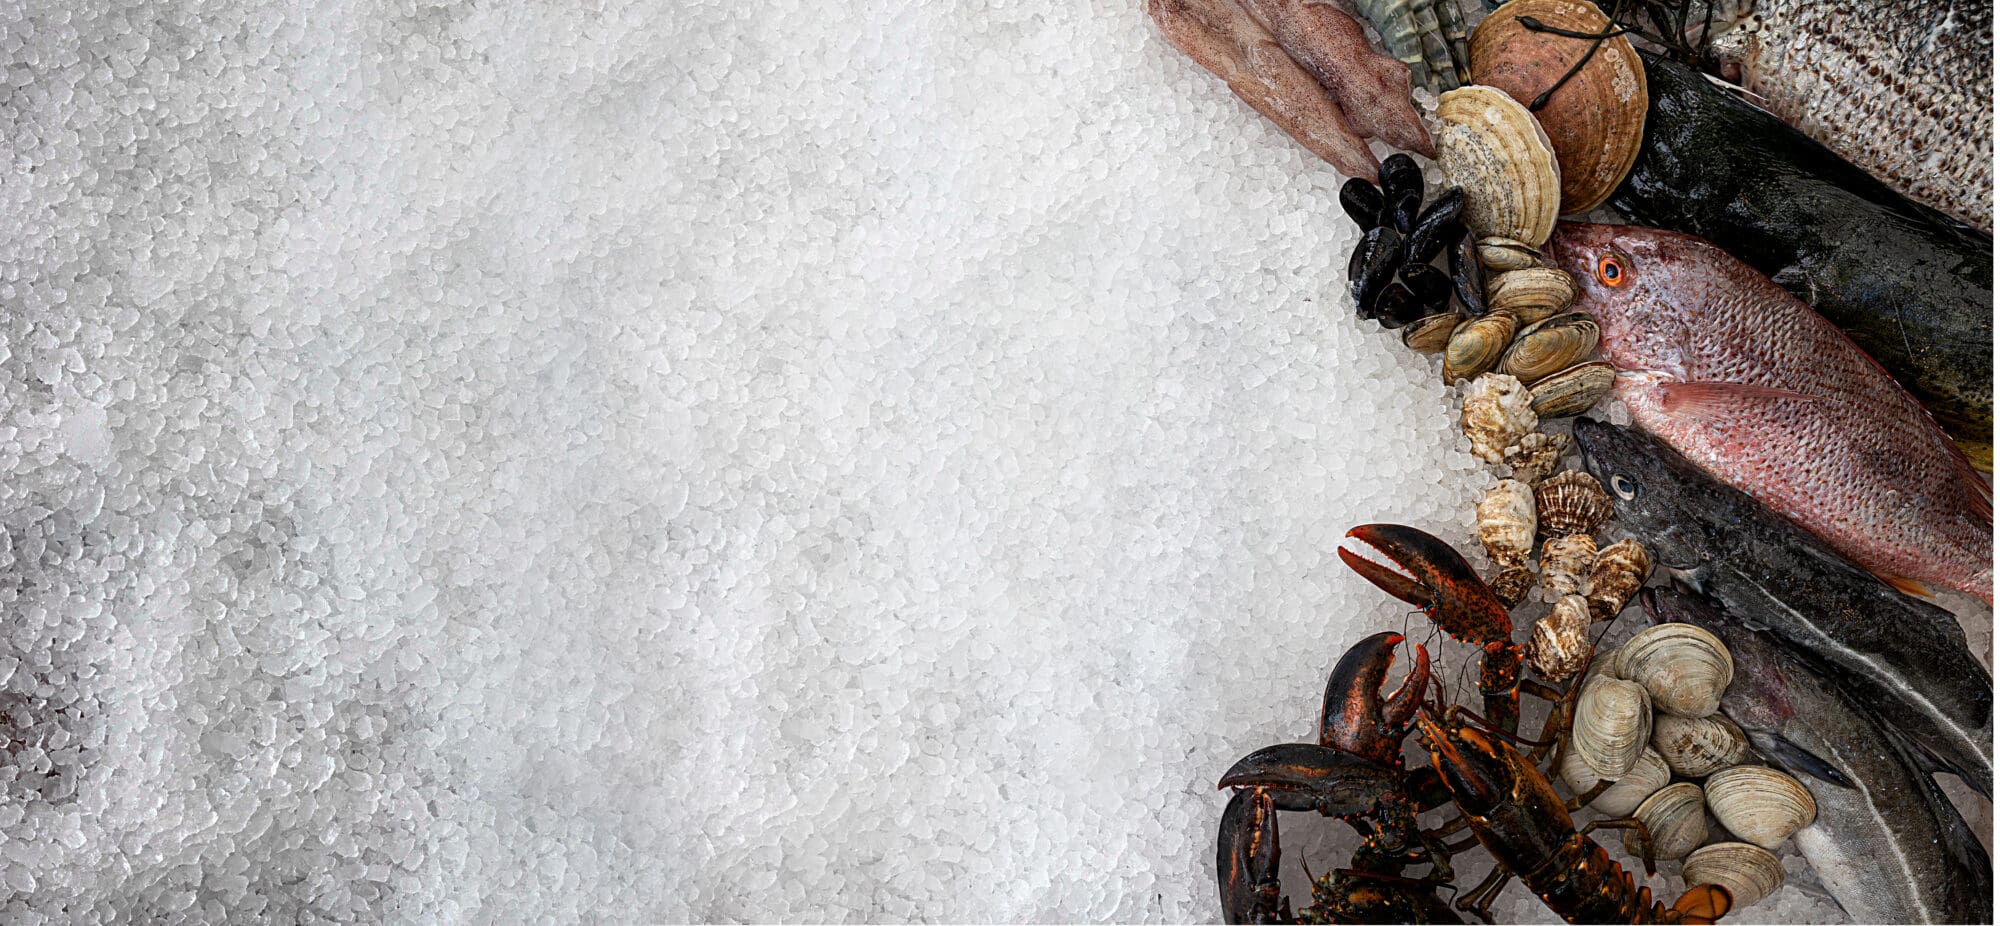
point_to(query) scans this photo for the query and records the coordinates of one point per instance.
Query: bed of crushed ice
(610, 460)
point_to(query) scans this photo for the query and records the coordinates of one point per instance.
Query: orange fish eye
(1611, 271)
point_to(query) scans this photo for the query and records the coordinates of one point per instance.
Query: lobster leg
(1645, 836)
(1479, 902)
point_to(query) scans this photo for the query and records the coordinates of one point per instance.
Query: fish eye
(1611, 271)
(1623, 486)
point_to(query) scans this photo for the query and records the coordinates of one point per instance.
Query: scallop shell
(1696, 747)
(1596, 119)
(1477, 344)
(1620, 570)
(1430, 334)
(1613, 722)
(1537, 455)
(1549, 346)
(1748, 872)
(1572, 503)
(1675, 820)
(1560, 645)
(1492, 147)
(1502, 254)
(1646, 776)
(1495, 415)
(1531, 294)
(1506, 518)
(1573, 391)
(1683, 668)
(1512, 584)
(1566, 561)
(1760, 805)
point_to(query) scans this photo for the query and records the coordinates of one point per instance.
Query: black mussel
(1396, 307)
(1374, 263)
(1436, 227)
(1363, 202)
(1429, 285)
(1466, 277)
(1400, 177)
(1403, 211)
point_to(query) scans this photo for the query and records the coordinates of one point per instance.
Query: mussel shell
(1477, 345)
(1429, 284)
(1749, 872)
(1760, 805)
(1436, 227)
(1675, 820)
(1466, 277)
(1374, 264)
(1504, 254)
(1429, 335)
(1403, 211)
(1573, 391)
(1492, 147)
(1550, 346)
(1363, 202)
(1400, 176)
(1396, 306)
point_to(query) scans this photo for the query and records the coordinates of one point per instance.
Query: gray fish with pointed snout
(1906, 660)
(1887, 844)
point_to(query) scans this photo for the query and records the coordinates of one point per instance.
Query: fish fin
(1798, 759)
(1929, 763)
(1906, 586)
(1696, 400)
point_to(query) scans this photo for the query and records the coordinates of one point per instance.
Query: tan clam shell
(1683, 668)
(1495, 415)
(1512, 584)
(1559, 645)
(1506, 520)
(1573, 391)
(1566, 561)
(1696, 747)
(1477, 344)
(1619, 572)
(1646, 776)
(1430, 334)
(1500, 254)
(1531, 294)
(1549, 346)
(1492, 147)
(1537, 455)
(1596, 120)
(1572, 503)
(1749, 872)
(1760, 805)
(1612, 725)
(1675, 819)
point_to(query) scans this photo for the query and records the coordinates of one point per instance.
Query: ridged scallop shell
(1549, 346)
(1646, 776)
(1674, 818)
(1506, 519)
(1502, 254)
(1616, 576)
(1495, 415)
(1560, 644)
(1492, 147)
(1572, 503)
(1538, 455)
(1430, 334)
(1696, 747)
(1596, 119)
(1748, 872)
(1566, 561)
(1531, 294)
(1477, 344)
(1573, 391)
(1512, 584)
(1760, 805)
(1613, 723)
(1683, 668)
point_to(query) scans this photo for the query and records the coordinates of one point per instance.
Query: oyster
(1683, 668)
(1532, 294)
(1695, 747)
(1477, 344)
(1560, 646)
(1674, 819)
(1429, 335)
(1615, 577)
(1613, 723)
(1503, 254)
(1538, 455)
(1748, 872)
(1512, 584)
(1572, 503)
(1506, 518)
(1566, 561)
(1573, 391)
(1495, 414)
(1646, 776)
(1549, 346)
(1760, 805)
(1492, 147)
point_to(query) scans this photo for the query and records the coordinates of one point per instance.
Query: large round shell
(1612, 725)
(1749, 873)
(1550, 346)
(1697, 746)
(1566, 562)
(1531, 294)
(1506, 518)
(1477, 344)
(1620, 570)
(1674, 819)
(1572, 503)
(1491, 146)
(1760, 805)
(1646, 776)
(1560, 644)
(1597, 118)
(1573, 391)
(1495, 415)
(1684, 668)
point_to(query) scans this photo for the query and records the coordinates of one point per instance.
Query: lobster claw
(1428, 573)
(1246, 860)
(1355, 717)
(1307, 776)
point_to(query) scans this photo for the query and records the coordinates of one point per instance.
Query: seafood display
(1778, 403)
(1390, 274)
(1912, 288)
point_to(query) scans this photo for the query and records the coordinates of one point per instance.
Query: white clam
(1646, 776)
(1683, 668)
(1613, 722)
(1749, 872)
(1675, 820)
(1695, 747)
(1760, 805)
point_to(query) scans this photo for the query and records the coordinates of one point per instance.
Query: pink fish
(1758, 389)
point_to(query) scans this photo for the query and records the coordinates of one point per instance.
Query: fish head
(1655, 502)
(1632, 280)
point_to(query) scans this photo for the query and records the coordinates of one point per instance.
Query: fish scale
(1756, 388)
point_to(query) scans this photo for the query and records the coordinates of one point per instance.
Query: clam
(1495, 414)
(1560, 644)
(1503, 254)
(1674, 819)
(1531, 294)
(1620, 570)
(1491, 146)
(1549, 346)
(1512, 584)
(1477, 344)
(1749, 873)
(1760, 805)
(1506, 518)
(1646, 776)
(1429, 335)
(1683, 668)
(1613, 722)
(1573, 391)
(1695, 747)
(1572, 503)
(1566, 561)
(1596, 119)
(1537, 455)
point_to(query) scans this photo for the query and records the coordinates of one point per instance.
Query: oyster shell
(1760, 805)
(1613, 722)
(1596, 119)
(1573, 391)
(1566, 561)
(1502, 254)
(1495, 414)
(1646, 776)
(1572, 503)
(1696, 747)
(1560, 645)
(1512, 584)
(1615, 577)
(1429, 335)
(1748, 872)
(1477, 344)
(1675, 820)
(1492, 147)
(1506, 518)
(1532, 294)
(1683, 668)
(1538, 455)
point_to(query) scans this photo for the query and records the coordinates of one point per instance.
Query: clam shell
(1597, 119)
(1620, 570)
(1506, 519)
(1531, 294)
(1492, 147)
(1512, 584)
(1613, 722)
(1684, 668)
(1495, 414)
(1477, 344)
(1538, 454)
(1566, 561)
(1749, 873)
(1696, 747)
(1430, 334)
(1646, 776)
(1560, 644)
(1573, 391)
(1674, 817)
(1549, 346)
(1572, 503)
(1760, 805)
(1502, 254)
